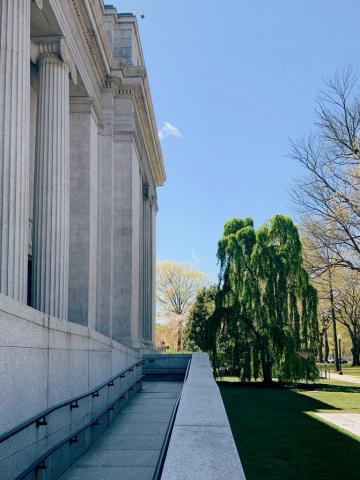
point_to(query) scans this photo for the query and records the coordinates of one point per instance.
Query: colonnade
(55, 225)
(50, 263)
(14, 146)
(147, 269)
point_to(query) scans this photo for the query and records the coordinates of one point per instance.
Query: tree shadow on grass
(330, 388)
(278, 440)
(321, 387)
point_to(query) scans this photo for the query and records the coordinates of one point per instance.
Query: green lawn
(279, 438)
(348, 370)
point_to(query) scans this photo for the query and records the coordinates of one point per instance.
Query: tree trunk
(179, 337)
(321, 345)
(326, 353)
(356, 355)
(266, 368)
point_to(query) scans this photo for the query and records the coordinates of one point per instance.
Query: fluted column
(147, 270)
(51, 205)
(14, 145)
(145, 263)
(153, 272)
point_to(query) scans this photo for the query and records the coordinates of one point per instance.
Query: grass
(348, 370)
(279, 437)
(171, 351)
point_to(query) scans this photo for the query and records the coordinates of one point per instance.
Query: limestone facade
(80, 162)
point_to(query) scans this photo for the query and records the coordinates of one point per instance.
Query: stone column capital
(53, 47)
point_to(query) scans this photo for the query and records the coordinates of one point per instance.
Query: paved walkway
(347, 421)
(130, 448)
(344, 378)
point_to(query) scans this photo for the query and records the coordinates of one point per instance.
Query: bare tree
(348, 312)
(328, 196)
(318, 260)
(177, 286)
(325, 319)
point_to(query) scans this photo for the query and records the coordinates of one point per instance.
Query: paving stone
(141, 428)
(346, 421)
(151, 408)
(344, 378)
(130, 448)
(199, 453)
(108, 473)
(202, 446)
(147, 417)
(133, 442)
(118, 458)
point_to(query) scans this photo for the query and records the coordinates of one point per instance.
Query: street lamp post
(340, 369)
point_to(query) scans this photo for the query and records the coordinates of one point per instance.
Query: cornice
(91, 36)
(146, 121)
(150, 136)
(135, 84)
(83, 60)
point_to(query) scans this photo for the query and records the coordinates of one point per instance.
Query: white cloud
(168, 130)
(195, 256)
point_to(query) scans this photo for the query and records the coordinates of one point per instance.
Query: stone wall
(46, 360)
(202, 446)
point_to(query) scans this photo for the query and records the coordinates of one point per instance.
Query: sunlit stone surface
(80, 165)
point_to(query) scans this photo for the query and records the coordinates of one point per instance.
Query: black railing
(165, 446)
(40, 419)
(40, 462)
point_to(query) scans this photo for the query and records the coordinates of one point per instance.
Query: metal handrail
(165, 446)
(40, 419)
(39, 462)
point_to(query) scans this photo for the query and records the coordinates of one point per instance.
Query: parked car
(332, 360)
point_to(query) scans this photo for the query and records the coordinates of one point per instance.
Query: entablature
(137, 90)
(106, 50)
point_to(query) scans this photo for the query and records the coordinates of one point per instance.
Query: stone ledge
(202, 446)
(29, 318)
(47, 360)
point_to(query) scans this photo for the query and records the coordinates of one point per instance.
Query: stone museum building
(80, 164)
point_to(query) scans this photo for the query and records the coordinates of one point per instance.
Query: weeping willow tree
(265, 318)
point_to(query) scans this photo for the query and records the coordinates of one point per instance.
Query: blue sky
(238, 79)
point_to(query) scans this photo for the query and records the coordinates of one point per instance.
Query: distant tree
(319, 262)
(196, 335)
(348, 311)
(328, 195)
(324, 324)
(176, 288)
(167, 334)
(265, 303)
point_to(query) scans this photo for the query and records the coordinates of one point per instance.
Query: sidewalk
(344, 378)
(348, 421)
